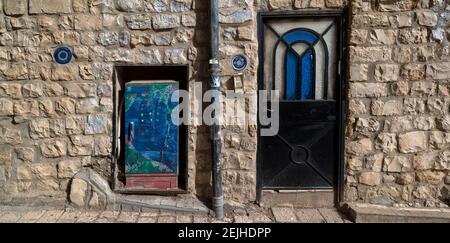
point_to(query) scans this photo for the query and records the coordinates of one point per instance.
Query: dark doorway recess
(302, 55)
(124, 74)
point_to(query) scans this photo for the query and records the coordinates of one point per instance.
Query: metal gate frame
(341, 88)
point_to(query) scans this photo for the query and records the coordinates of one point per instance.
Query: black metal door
(300, 57)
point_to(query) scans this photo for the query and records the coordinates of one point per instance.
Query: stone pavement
(240, 215)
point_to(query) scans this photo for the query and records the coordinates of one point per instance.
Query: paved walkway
(281, 215)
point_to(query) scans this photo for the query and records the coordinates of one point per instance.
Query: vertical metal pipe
(216, 129)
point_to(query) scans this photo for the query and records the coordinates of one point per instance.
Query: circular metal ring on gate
(63, 55)
(239, 62)
(299, 155)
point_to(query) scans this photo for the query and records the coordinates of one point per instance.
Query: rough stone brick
(49, 6)
(357, 107)
(387, 72)
(80, 6)
(370, 178)
(279, 4)
(413, 36)
(6, 107)
(368, 90)
(423, 88)
(370, 20)
(165, 21)
(424, 161)
(235, 17)
(396, 6)
(358, 36)
(438, 70)
(413, 142)
(96, 124)
(430, 177)
(382, 37)
(387, 142)
(370, 54)
(401, 20)
(387, 108)
(68, 168)
(139, 22)
(81, 146)
(427, 18)
(44, 170)
(397, 164)
(39, 128)
(53, 148)
(15, 7)
(359, 72)
(360, 147)
(413, 72)
(88, 22)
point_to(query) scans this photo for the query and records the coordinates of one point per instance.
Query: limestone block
(54, 148)
(6, 107)
(387, 108)
(165, 21)
(360, 147)
(15, 7)
(363, 90)
(139, 22)
(370, 178)
(78, 191)
(44, 170)
(413, 142)
(397, 164)
(430, 177)
(39, 128)
(427, 18)
(279, 4)
(96, 124)
(68, 168)
(81, 145)
(49, 6)
(359, 72)
(387, 142)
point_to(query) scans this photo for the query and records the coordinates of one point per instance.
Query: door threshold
(303, 191)
(299, 198)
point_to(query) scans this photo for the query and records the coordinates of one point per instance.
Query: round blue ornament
(239, 62)
(63, 55)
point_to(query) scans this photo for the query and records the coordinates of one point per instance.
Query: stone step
(366, 213)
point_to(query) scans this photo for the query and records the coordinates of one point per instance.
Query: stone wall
(55, 119)
(397, 129)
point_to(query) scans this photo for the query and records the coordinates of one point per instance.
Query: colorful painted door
(151, 138)
(301, 60)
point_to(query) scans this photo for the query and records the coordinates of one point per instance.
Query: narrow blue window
(299, 67)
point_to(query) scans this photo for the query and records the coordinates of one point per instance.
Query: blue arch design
(300, 70)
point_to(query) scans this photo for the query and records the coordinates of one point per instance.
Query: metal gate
(300, 56)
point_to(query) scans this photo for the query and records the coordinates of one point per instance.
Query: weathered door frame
(341, 89)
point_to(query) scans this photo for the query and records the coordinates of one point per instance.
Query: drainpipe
(214, 84)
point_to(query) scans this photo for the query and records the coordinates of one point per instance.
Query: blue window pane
(291, 76)
(307, 67)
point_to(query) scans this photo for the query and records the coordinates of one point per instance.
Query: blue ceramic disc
(63, 55)
(239, 62)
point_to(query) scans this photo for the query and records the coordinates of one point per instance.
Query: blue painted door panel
(151, 138)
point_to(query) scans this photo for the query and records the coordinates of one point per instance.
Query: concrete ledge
(366, 213)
